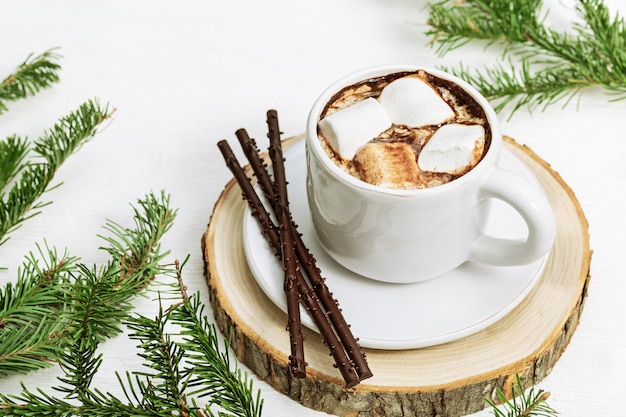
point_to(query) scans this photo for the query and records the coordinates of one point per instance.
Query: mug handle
(534, 208)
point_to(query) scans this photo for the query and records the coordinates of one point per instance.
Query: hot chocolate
(406, 130)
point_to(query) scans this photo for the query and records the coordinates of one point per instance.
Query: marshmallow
(411, 101)
(388, 164)
(348, 129)
(453, 149)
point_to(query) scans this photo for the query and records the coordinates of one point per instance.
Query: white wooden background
(186, 74)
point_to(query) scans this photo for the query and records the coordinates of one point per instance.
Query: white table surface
(184, 75)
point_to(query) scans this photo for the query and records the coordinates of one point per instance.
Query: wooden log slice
(452, 379)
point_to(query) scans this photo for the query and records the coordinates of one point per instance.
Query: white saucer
(401, 316)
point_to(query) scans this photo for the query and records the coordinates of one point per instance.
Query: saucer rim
(381, 343)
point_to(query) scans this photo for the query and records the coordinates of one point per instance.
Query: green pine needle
(13, 151)
(60, 310)
(130, 247)
(544, 66)
(167, 382)
(210, 369)
(30, 309)
(58, 303)
(21, 202)
(33, 75)
(531, 403)
(188, 372)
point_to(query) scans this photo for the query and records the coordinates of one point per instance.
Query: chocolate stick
(290, 262)
(309, 299)
(287, 255)
(307, 262)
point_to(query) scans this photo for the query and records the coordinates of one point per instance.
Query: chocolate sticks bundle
(303, 282)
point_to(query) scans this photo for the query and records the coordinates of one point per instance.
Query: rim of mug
(312, 140)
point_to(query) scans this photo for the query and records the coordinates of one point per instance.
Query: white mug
(405, 236)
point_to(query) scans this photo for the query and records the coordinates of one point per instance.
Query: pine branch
(454, 24)
(188, 358)
(131, 249)
(166, 379)
(30, 348)
(522, 404)
(13, 151)
(208, 366)
(37, 289)
(20, 204)
(39, 403)
(79, 306)
(545, 66)
(33, 75)
(521, 87)
(71, 132)
(53, 148)
(30, 310)
(33, 404)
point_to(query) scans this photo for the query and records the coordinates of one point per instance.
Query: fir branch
(523, 404)
(99, 305)
(39, 403)
(13, 151)
(37, 288)
(454, 24)
(20, 204)
(130, 248)
(519, 87)
(33, 404)
(210, 367)
(34, 74)
(71, 132)
(545, 66)
(30, 308)
(53, 148)
(30, 348)
(82, 306)
(188, 358)
(166, 381)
